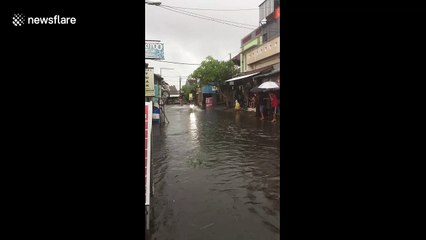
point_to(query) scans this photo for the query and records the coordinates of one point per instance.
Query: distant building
(191, 82)
(207, 91)
(173, 91)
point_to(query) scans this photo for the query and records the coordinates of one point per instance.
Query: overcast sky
(190, 40)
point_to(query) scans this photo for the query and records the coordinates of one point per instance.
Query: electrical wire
(175, 77)
(210, 18)
(207, 9)
(175, 62)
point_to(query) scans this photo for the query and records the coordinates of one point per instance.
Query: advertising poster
(149, 82)
(148, 128)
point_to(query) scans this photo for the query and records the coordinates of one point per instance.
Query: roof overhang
(268, 74)
(241, 77)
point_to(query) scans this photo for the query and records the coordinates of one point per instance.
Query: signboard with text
(154, 50)
(149, 82)
(147, 133)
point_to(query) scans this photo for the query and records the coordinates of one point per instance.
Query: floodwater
(216, 175)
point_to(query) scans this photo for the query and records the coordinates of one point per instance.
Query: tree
(215, 72)
(187, 89)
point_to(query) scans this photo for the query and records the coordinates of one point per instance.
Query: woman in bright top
(274, 105)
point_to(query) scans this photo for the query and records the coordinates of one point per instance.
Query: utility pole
(230, 59)
(180, 91)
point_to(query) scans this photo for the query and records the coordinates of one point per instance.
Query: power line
(175, 62)
(174, 76)
(210, 18)
(207, 9)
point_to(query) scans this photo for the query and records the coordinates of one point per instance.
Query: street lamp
(153, 3)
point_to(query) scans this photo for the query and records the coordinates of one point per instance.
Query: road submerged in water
(216, 175)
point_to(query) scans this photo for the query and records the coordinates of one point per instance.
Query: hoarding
(154, 50)
(149, 82)
(148, 128)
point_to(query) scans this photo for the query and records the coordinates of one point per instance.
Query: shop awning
(268, 74)
(241, 77)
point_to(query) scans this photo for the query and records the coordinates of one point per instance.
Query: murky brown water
(216, 176)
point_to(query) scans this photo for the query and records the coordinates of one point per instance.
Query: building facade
(259, 56)
(261, 48)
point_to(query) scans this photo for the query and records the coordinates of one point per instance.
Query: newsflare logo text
(19, 19)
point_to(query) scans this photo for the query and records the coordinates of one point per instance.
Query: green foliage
(214, 71)
(187, 89)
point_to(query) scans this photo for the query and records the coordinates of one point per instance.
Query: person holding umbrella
(271, 86)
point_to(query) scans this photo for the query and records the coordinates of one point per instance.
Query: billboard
(154, 50)
(148, 128)
(149, 82)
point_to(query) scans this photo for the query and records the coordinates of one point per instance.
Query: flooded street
(216, 175)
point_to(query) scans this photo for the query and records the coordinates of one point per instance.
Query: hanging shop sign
(148, 129)
(149, 82)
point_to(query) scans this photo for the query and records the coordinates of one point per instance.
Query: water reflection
(192, 121)
(218, 177)
(237, 117)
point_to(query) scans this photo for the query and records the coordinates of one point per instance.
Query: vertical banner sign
(149, 82)
(148, 128)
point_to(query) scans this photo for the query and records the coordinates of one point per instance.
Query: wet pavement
(216, 176)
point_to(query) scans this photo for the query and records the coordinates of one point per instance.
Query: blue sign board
(154, 50)
(207, 89)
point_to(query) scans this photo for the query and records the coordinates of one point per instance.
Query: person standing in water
(262, 106)
(274, 105)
